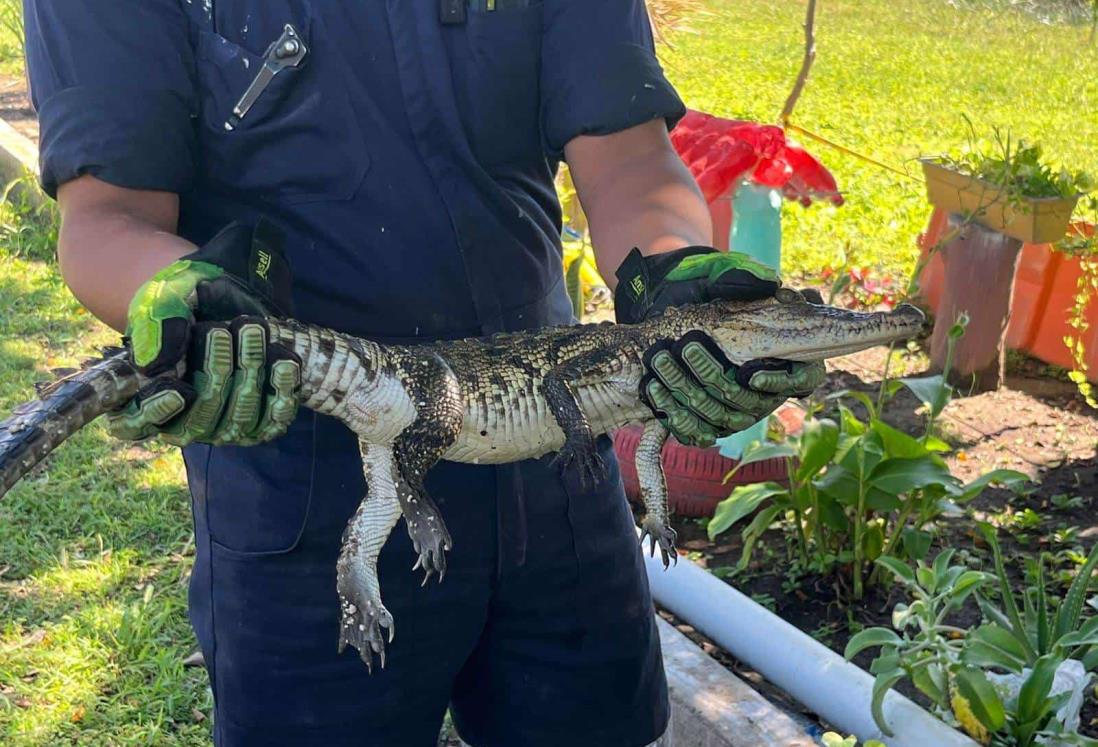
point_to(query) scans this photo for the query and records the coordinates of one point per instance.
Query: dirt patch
(15, 107)
(1036, 424)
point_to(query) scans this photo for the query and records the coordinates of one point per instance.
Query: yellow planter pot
(1034, 220)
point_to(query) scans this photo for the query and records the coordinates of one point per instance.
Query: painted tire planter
(1043, 295)
(695, 476)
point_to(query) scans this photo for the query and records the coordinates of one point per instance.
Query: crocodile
(487, 400)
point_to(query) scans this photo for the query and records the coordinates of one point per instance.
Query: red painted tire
(695, 476)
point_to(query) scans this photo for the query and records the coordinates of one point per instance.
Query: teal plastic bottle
(756, 231)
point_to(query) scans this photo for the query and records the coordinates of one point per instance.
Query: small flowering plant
(861, 288)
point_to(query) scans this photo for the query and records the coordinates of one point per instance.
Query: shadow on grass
(93, 493)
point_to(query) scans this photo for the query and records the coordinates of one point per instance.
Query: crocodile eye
(788, 295)
(813, 296)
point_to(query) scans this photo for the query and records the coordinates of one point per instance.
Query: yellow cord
(853, 153)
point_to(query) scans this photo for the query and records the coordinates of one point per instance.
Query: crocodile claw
(430, 540)
(368, 628)
(658, 533)
(589, 466)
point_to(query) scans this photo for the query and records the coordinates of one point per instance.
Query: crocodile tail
(38, 427)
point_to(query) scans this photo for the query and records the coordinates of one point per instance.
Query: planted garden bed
(1037, 425)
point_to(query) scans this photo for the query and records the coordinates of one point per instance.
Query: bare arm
(636, 191)
(114, 239)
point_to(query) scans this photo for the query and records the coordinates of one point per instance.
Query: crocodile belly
(525, 429)
(497, 430)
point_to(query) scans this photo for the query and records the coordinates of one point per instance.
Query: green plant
(926, 649)
(1022, 630)
(11, 33)
(997, 680)
(856, 490)
(573, 282)
(1084, 247)
(28, 226)
(1015, 166)
(1065, 500)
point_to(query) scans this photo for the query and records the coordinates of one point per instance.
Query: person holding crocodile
(406, 152)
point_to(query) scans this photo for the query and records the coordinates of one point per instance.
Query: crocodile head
(795, 325)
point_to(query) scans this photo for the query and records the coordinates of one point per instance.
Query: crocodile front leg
(365, 623)
(559, 389)
(653, 487)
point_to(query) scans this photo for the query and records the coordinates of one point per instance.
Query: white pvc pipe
(814, 675)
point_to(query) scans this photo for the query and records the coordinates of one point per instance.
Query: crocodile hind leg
(364, 621)
(653, 487)
(426, 528)
(436, 395)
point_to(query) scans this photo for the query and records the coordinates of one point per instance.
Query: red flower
(721, 152)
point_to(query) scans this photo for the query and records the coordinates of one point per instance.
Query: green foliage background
(891, 80)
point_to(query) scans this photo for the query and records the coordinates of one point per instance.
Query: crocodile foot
(430, 540)
(367, 626)
(586, 461)
(658, 533)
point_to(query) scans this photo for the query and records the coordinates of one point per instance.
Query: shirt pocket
(498, 84)
(258, 498)
(300, 142)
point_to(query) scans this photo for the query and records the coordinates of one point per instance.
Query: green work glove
(689, 384)
(196, 329)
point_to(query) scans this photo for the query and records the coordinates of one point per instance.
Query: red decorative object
(720, 152)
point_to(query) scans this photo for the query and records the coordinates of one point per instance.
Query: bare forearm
(112, 241)
(639, 195)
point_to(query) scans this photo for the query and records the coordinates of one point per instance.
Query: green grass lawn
(11, 37)
(94, 551)
(891, 80)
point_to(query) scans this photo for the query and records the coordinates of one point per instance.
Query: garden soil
(15, 107)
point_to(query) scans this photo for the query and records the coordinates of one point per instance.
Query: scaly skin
(64, 407)
(487, 401)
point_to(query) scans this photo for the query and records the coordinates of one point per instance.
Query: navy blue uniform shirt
(412, 162)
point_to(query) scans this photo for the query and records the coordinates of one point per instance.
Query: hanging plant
(1083, 245)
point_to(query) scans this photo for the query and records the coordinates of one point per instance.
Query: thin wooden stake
(806, 64)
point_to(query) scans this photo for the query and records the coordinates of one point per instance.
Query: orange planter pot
(1044, 293)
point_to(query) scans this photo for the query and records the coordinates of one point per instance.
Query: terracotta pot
(1042, 298)
(1036, 220)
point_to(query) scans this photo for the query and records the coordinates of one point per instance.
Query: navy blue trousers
(544, 649)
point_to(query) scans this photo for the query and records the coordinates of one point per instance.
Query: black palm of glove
(216, 380)
(690, 386)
